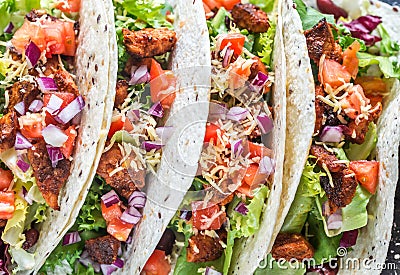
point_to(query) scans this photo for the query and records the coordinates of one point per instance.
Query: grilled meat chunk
(22, 91)
(319, 108)
(31, 237)
(256, 67)
(292, 246)
(34, 15)
(121, 92)
(149, 42)
(3, 223)
(250, 17)
(65, 83)
(320, 41)
(8, 131)
(325, 157)
(103, 250)
(49, 180)
(122, 181)
(203, 248)
(343, 190)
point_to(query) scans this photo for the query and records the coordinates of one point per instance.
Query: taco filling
(235, 169)
(98, 240)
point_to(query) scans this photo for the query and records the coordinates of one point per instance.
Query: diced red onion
(54, 154)
(9, 28)
(267, 166)
(349, 238)
(334, 221)
(265, 123)
(71, 238)
(242, 208)
(237, 113)
(21, 142)
(86, 260)
(156, 110)
(137, 199)
(150, 145)
(32, 52)
(119, 263)
(210, 271)
(108, 269)
(110, 198)
(46, 84)
(131, 215)
(185, 215)
(331, 134)
(20, 108)
(129, 240)
(228, 57)
(54, 136)
(54, 104)
(139, 75)
(259, 81)
(217, 111)
(71, 110)
(77, 119)
(36, 106)
(164, 132)
(24, 194)
(237, 148)
(22, 164)
(133, 115)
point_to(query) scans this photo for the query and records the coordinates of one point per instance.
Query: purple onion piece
(259, 81)
(237, 148)
(110, 198)
(22, 164)
(150, 145)
(46, 84)
(108, 269)
(119, 263)
(139, 75)
(133, 115)
(54, 154)
(54, 136)
(242, 208)
(265, 123)
(334, 221)
(156, 110)
(9, 28)
(71, 238)
(164, 133)
(267, 166)
(237, 113)
(186, 215)
(32, 52)
(71, 110)
(131, 215)
(227, 57)
(331, 134)
(20, 108)
(86, 260)
(21, 142)
(137, 199)
(217, 111)
(210, 271)
(349, 238)
(36, 106)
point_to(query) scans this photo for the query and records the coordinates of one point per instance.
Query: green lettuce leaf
(264, 43)
(217, 24)
(6, 9)
(63, 258)
(27, 5)
(388, 65)
(309, 188)
(309, 16)
(388, 46)
(362, 151)
(24, 260)
(270, 267)
(184, 267)
(265, 5)
(355, 214)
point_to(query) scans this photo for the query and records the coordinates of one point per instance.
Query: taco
(52, 86)
(137, 167)
(340, 217)
(232, 203)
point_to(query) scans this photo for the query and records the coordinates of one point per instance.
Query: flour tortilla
(165, 191)
(373, 241)
(93, 64)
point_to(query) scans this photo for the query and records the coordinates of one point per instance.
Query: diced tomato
(55, 35)
(334, 74)
(112, 212)
(253, 177)
(160, 85)
(67, 98)
(117, 124)
(7, 205)
(236, 41)
(207, 11)
(258, 150)
(207, 217)
(245, 189)
(350, 60)
(68, 5)
(119, 229)
(353, 102)
(212, 132)
(228, 4)
(29, 32)
(69, 41)
(68, 146)
(212, 4)
(366, 173)
(6, 177)
(157, 264)
(239, 73)
(32, 125)
(374, 88)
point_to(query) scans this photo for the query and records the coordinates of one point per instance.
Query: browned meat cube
(320, 41)
(319, 108)
(149, 42)
(8, 130)
(343, 190)
(3, 223)
(103, 250)
(22, 91)
(203, 248)
(292, 246)
(121, 92)
(325, 157)
(250, 17)
(122, 181)
(65, 82)
(49, 180)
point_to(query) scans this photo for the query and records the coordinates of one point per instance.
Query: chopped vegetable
(366, 173)
(350, 60)
(207, 216)
(157, 264)
(333, 74)
(6, 176)
(31, 125)
(235, 41)
(68, 146)
(161, 84)
(7, 205)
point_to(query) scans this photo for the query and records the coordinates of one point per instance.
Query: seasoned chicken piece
(325, 157)
(203, 248)
(49, 180)
(149, 42)
(343, 190)
(8, 130)
(292, 246)
(319, 108)
(22, 91)
(103, 250)
(250, 17)
(121, 92)
(122, 181)
(320, 41)
(65, 83)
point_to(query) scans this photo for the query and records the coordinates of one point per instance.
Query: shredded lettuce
(362, 151)
(388, 65)
(355, 214)
(309, 16)
(265, 5)
(388, 46)
(264, 43)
